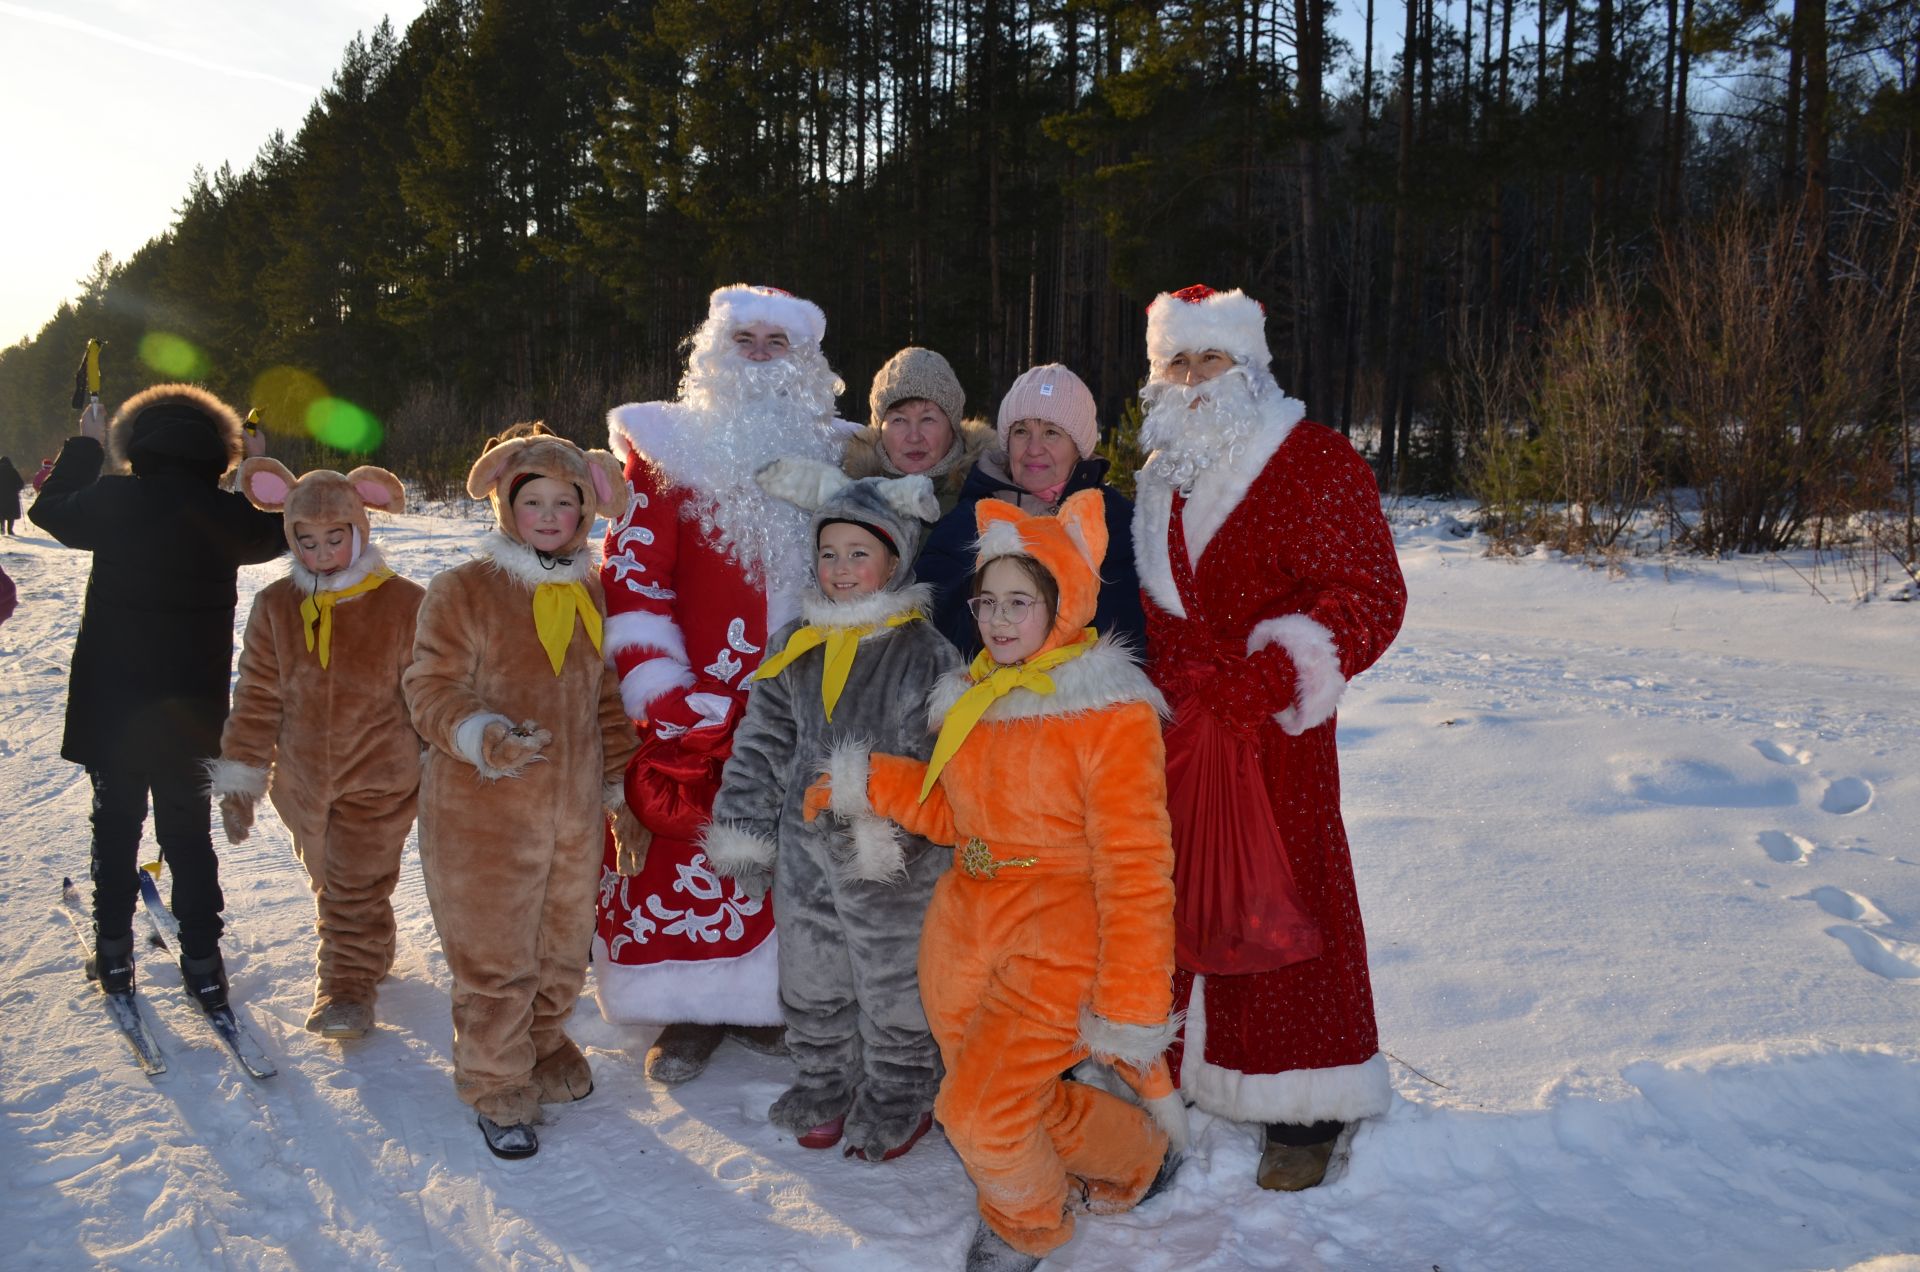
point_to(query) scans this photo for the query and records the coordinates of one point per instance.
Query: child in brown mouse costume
(526, 745)
(318, 706)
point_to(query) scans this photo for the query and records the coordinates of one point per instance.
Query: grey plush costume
(850, 899)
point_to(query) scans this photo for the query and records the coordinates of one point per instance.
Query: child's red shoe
(926, 1124)
(825, 1135)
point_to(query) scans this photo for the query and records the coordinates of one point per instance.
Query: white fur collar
(1216, 493)
(1105, 676)
(870, 610)
(521, 562)
(369, 560)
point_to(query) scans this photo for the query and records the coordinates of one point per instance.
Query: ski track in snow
(1644, 913)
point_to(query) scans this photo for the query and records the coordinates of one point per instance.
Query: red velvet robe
(1296, 589)
(685, 630)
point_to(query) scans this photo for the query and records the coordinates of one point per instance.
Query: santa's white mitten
(508, 750)
(236, 816)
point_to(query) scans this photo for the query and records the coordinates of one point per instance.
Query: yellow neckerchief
(990, 684)
(841, 643)
(554, 605)
(316, 612)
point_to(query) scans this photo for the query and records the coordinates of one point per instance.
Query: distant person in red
(1270, 580)
(39, 478)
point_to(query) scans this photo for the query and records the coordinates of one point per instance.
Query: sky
(106, 106)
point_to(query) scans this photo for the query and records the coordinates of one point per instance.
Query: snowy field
(1637, 854)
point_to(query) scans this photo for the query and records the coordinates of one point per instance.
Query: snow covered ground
(1637, 856)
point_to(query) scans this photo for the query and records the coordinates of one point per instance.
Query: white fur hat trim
(743, 304)
(1231, 322)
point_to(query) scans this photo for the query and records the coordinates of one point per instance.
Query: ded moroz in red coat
(1289, 563)
(686, 629)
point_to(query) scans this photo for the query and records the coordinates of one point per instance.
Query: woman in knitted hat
(1051, 939)
(916, 427)
(526, 743)
(1047, 431)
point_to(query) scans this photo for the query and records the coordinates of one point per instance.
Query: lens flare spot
(173, 356)
(283, 396)
(342, 425)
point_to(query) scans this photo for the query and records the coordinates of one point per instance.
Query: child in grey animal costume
(850, 899)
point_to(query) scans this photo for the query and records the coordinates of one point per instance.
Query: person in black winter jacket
(1047, 430)
(147, 694)
(11, 484)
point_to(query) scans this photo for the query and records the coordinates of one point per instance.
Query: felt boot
(341, 1019)
(681, 1052)
(988, 1252)
(1287, 1165)
(764, 1040)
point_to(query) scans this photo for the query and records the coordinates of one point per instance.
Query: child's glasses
(1014, 609)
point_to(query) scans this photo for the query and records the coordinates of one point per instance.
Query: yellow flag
(990, 684)
(842, 644)
(316, 612)
(554, 605)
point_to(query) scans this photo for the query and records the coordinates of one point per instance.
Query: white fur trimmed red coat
(1289, 588)
(686, 629)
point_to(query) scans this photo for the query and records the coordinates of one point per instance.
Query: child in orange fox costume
(1051, 939)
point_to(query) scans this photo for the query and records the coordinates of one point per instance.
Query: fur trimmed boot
(681, 1052)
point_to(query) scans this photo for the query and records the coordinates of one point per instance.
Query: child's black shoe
(205, 980)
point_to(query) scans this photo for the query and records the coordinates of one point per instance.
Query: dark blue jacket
(947, 560)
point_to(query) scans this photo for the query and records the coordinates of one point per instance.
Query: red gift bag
(671, 782)
(1235, 907)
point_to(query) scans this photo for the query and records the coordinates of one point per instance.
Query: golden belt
(978, 862)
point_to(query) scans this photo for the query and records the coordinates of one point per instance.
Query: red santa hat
(1198, 317)
(743, 304)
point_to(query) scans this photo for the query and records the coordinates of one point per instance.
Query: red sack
(1235, 906)
(671, 782)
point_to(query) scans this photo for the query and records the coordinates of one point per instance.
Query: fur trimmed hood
(515, 559)
(321, 497)
(179, 422)
(1070, 546)
(594, 473)
(900, 508)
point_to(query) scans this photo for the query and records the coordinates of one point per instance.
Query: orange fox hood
(1071, 545)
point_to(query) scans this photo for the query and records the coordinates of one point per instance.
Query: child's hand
(510, 750)
(630, 841)
(236, 816)
(818, 799)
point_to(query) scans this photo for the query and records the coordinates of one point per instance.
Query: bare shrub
(1486, 391)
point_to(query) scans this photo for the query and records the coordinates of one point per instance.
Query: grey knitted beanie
(917, 373)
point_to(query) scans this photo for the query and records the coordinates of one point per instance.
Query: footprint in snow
(1786, 848)
(1781, 753)
(1700, 784)
(1842, 904)
(1881, 955)
(1847, 795)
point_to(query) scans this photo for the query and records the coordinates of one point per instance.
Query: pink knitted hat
(1056, 395)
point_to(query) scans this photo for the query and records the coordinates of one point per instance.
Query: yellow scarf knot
(841, 642)
(990, 684)
(554, 605)
(316, 612)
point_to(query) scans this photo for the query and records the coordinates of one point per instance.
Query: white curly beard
(753, 413)
(1189, 428)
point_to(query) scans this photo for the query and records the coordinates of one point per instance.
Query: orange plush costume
(318, 703)
(1052, 936)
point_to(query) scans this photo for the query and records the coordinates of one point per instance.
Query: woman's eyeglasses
(1014, 609)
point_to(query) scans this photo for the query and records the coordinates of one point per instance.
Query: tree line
(516, 209)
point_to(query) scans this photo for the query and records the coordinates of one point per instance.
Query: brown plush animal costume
(344, 757)
(1052, 936)
(513, 818)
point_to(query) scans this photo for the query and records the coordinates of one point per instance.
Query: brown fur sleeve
(439, 683)
(618, 741)
(253, 726)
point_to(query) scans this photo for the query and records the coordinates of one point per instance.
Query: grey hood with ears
(901, 508)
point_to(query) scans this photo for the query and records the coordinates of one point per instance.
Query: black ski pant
(183, 826)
